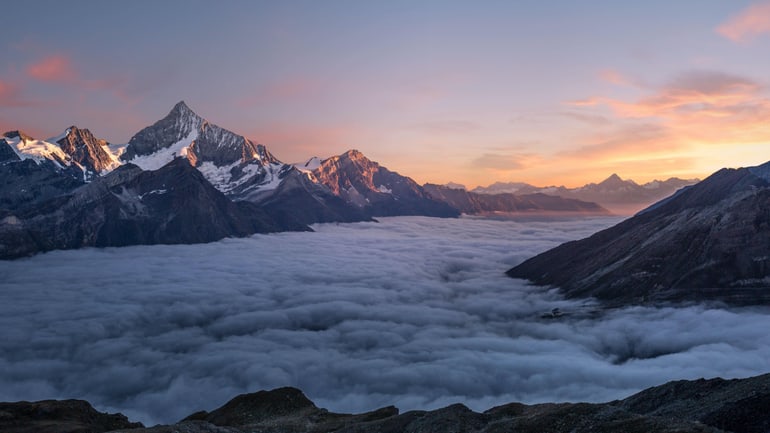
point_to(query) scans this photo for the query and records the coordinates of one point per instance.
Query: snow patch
(162, 157)
(155, 191)
(384, 189)
(272, 180)
(311, 164)
(39, 150)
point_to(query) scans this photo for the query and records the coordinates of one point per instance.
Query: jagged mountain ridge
(614, 193)
(685, 406)
(90, 152)
(231, 162)
(709, 241)
(40, 174)
(129, 206)
(473, 203)
(377, 190)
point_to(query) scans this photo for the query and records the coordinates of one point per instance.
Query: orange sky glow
(556, 94)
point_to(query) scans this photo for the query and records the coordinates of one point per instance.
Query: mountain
(685, 406)
(129, 206)
(91, 153)
(232, 163)
(241, 169)
(32, 171)
(618, 195)
(376, 190)
(709, 241)
(473, 203)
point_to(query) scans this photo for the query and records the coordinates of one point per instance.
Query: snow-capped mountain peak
(27, 147)
(231, 162)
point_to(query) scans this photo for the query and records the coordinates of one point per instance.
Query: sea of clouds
(411, 311)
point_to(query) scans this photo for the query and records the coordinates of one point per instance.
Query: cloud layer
(747, 24)
(412, 311)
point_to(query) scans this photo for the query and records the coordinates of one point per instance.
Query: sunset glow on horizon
(563, 93)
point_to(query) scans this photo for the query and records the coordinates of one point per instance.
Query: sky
(550, 93)
(414, 312)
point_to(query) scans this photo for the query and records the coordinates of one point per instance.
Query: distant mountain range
(77, 190)
(620, 196)
(709, 241)
(475, 203)
(685, 406)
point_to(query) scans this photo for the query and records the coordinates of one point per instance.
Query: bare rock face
(25, 182)
(64, 416)
(377, 190)
(301, 199)
(86, 150)
(710, 241)
(6, 153)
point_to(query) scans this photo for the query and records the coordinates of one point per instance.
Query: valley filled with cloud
(412, 311)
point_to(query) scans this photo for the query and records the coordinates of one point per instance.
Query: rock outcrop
(87, 150)
(699, 406)
(59, 416)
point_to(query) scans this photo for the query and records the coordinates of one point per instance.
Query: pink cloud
(614, 77)
(747, 24)
(55, 68)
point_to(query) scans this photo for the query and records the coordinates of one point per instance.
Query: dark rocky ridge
(473, 203)
(710, 241)
(6, 153)
(307, 202)
(715, 405)
(376, 190)
(172, 205)
(59, 416)
(27, 182)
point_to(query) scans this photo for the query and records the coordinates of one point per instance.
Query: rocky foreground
(714, 405)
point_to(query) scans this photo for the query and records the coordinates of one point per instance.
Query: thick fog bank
(412, 311)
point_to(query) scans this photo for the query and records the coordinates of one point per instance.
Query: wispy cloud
(54, 68)
(614, 77)
(748, 23)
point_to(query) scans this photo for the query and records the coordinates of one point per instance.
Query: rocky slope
(710, 241)
(231, 162)
(129, 206)
(89, 152)
(375, 190)
(619, 195)
(241, 169)
(715, 405)
(473, 203)
(24, 182)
